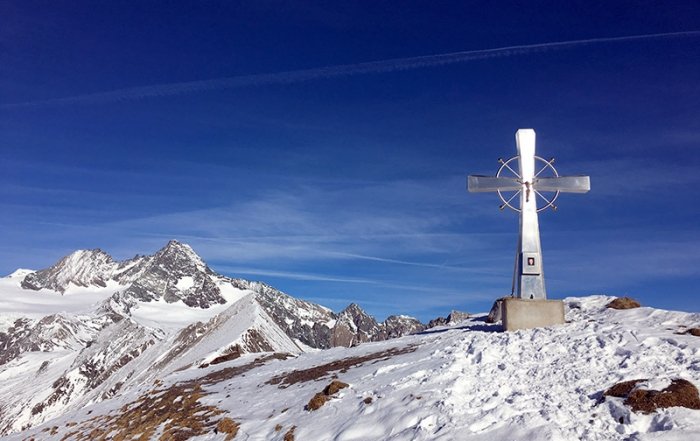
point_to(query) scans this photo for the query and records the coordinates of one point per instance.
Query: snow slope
(89, 327)
(468, 381)
(16, 302)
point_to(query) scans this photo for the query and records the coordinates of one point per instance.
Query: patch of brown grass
(317, 372)
(693, 331)
(289, 436)
(621, 390)
(228, 426)
(234, 371)
(317, 401)
(334, 387)
(623, 303)
(680, 393)
(233, 354)
(278, 427)
(367, 400)
(176, 409)
(320, 398)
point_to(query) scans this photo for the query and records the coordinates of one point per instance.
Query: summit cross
(543, 185)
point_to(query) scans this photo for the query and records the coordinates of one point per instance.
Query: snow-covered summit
(176, 273)
(173, 273)
(19, 273)
(81, 268)
(87, 327)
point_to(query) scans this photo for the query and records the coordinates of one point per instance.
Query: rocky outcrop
(49, 333)
(355, 326)
(305, 321)
(176, 273)
(80, 268)
(451, 319)
(400, 325)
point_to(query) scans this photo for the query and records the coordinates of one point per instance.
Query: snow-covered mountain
(469, 381)
(90, 327)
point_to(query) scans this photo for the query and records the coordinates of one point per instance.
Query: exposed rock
(400, 325)
(54, 331)
(80, 268)
(308, 322)
(176, 273)
(355, 326)
(452, 318)
(495, 312)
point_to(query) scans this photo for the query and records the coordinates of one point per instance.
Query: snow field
(471, 382)
(466, 382)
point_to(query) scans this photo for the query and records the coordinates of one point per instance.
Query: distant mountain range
(95, 326)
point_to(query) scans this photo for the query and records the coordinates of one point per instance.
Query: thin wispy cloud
(293, 275)
(303, 75)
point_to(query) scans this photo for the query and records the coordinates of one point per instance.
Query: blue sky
(126, 124)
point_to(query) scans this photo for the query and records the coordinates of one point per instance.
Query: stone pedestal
(525, 314)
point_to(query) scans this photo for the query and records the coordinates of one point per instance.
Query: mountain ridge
(147, 317)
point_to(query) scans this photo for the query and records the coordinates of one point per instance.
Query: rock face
(355, 326)
(305, 321)
(80, 268)
(495, 312)
(155, 315)
(400, 325)
(174, 273)
(452, 318)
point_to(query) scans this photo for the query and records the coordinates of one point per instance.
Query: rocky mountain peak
(176, 273)
(354, 310)
(179, 256)
(80, 268)
(173, 273)
(355, 326)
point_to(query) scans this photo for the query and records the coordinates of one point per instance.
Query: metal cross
(531, 186)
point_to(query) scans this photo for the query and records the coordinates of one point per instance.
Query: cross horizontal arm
(481, 184)
(564, 184)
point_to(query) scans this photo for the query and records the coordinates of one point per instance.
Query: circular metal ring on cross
(505, 168)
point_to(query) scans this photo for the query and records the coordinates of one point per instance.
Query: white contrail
(297, 76)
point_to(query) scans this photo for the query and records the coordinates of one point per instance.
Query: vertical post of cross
(530, 307)
(530, 278)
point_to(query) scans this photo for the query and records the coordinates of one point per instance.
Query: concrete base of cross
(525, 314)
